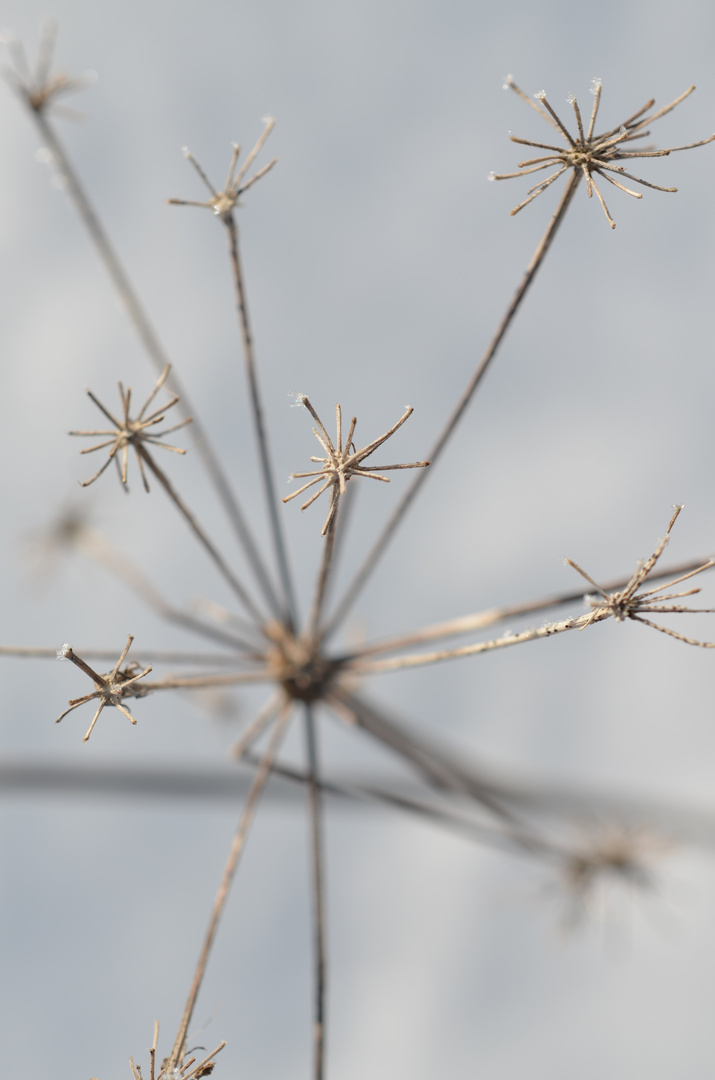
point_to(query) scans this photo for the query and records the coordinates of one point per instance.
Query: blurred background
(378, 260)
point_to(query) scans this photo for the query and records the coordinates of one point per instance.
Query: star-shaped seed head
(39, 89)
(110, 689)
(222, 203)
(628, 603)
(588, 154)
(140, 432)
(342, 460)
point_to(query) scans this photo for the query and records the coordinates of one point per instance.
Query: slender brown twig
(318, 888)
(37, 99)
(483, 619)
(378, 548)
(321, 585)
(290, 613)
(222, 205)
(259, 781)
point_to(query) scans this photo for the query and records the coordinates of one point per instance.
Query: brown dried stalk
(620, 605)
(133, 433)
(480, 620)
(259, 781)
(222, 204)
(37, 94)
(371, 560)
(587, 154)
(592, 154)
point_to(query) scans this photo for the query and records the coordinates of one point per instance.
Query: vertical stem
(316, 838)
(139, 319)
(257, 786)
(323, 575)
(268, 480)
(380, 545)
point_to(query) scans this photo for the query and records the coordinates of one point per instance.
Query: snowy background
(378, 261)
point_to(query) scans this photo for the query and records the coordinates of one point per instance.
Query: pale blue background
(378, 260)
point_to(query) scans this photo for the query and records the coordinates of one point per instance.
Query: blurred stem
(259, 781)
(380, 545)
(203, 539)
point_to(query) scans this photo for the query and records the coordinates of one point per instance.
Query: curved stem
(380, 545)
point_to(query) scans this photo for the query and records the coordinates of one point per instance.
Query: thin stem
(433, 765)
(324, 574)
(158, 656)
(316, 847)
(155, 350)
(482, 619)
(196, 682)
(259, 781)
(97, 547)
(500, 837)
(534, 634)
(290, 614)
(379, 547)
(203, 539)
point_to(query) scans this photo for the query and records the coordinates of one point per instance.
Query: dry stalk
(38, 95)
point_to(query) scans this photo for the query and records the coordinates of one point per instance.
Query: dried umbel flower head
(138, 432)
(628, 603)
(611, 854)
(588, 154)
(343, 460)
(110, 689)
(222, 203)
(39, 89)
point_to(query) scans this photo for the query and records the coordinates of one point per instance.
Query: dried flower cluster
(343, 461)
(587, 153)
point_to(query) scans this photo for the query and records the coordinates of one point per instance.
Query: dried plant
(222, 203)
(343, 461)
(588, 153)
(111, 689)
(295, 655)
(135, 433)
